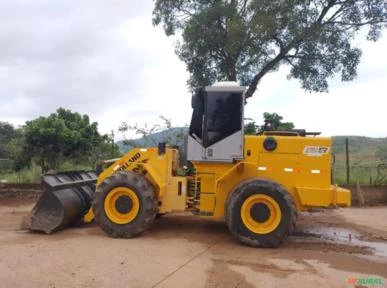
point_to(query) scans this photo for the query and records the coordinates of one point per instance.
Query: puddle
(342, 236)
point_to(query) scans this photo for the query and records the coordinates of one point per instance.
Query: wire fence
(373, 172)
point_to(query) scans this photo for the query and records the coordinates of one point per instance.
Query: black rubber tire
(148, 204)
(269, 188)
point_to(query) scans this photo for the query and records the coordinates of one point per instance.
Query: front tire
(125, 204)
(260, 213)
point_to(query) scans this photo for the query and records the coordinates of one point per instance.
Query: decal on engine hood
(316, 150)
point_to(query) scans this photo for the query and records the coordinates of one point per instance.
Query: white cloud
(105, 59)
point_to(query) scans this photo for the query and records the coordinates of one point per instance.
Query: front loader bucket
(65, 200)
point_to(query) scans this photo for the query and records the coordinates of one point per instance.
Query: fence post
(360, 195)
(347, 159)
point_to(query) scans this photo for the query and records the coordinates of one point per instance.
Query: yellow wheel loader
(256, 183)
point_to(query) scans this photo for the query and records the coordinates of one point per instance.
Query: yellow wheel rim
(121, 205)
(261, 214)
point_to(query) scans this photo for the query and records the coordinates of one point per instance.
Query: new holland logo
(316, 150)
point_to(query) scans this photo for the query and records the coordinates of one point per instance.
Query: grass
(34, 174)
(69, 166)
(364, 174)
(363, 162)
(31, 175)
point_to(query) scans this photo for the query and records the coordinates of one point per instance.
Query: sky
(106, 60)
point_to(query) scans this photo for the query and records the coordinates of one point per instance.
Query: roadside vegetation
(367, 160)
(61, 141)
(29, 151)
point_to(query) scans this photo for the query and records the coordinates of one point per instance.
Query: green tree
(272, 119)
(62, 135)
(12, 147)
(17, 151)
(7, 133)
(276, 122)
(245, 39)
(106, 149)
(250, 128)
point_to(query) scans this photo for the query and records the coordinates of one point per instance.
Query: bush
(31, 175)
(6, 165)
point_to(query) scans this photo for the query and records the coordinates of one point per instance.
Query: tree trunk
(269, 66)
(254, 83)
(231, 70)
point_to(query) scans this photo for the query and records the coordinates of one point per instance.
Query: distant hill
(359, 145)
(173, 136)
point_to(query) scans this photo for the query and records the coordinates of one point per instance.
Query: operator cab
(216, 129)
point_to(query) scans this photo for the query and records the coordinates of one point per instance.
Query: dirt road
(331, 248)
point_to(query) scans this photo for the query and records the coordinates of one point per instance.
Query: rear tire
(125, 204)
(260, 213)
